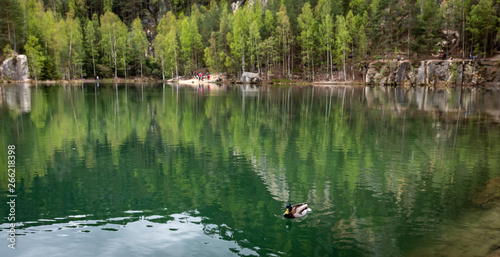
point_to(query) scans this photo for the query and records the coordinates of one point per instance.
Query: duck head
(288, 208)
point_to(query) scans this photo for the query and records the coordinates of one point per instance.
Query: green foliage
(108, 6)
(90, 33)
(482, 22)
(428, 29)
(211, 56)
(240, 35)
(307, 26)
(284, 40)
(7, 51)
(191, 45)
(35, 56)
(11, 24)
(274, 39)
(71, 47)
(138, 42)
(342, 41)
(113, 32)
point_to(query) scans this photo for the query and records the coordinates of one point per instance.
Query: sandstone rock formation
(15, 68)
(250, 77)
(434, 72)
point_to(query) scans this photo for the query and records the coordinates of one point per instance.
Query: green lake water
(166, 170)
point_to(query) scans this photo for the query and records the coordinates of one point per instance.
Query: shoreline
(194, 83)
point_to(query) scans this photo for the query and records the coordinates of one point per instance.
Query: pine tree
(428, 29)
(481, 23)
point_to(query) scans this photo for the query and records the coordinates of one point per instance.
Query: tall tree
(240, 35)
(284, 37)
(139, 42)
(111, 31)
(307, 26)
(210, 54)
(481, 23)
(123, 46)
(166, 44)
(429, 27)
(190, 42)
(160, 46)
(325, 29)
(35, 56)
(71, 46)
(342, 41)
(10, 23)
(91, 39)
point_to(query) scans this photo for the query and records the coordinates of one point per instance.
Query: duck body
(296, 211)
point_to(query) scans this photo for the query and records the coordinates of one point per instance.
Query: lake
(169, 170)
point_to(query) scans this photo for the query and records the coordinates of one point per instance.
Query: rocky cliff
(15, 68)
(434, 72)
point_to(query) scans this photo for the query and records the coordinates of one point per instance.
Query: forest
(285, 39)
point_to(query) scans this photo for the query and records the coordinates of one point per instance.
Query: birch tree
(111, 28)
(307, 26)
(139, 42)
(343, 40)
(284, 38)
(90, 38)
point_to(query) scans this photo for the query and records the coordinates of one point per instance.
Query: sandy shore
(194, 81)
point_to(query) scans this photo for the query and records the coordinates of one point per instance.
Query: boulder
(250, 77)
(15, 68)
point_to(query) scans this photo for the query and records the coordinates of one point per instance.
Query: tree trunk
(116, 71)
(8, 28)
(24, 19)
(175, 56)
(140, 60)
(409, 28)
(463, 29)
(331, 61)
(93, 59)
(162, 70)
(70, 50)
(124, 65)
(310, 55)
(242, 54)
(345, 76)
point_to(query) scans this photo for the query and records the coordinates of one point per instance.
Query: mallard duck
(295, 211)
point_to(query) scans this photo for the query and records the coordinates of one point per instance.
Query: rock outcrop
(15, 68)
(250, 77)
(434, 72)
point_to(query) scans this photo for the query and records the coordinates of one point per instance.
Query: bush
(104, 71)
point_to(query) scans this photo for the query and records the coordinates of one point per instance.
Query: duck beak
(287, 211)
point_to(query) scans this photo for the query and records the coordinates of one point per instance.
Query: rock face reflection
(16, 97)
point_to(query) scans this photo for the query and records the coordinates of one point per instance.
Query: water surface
(165, 170)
